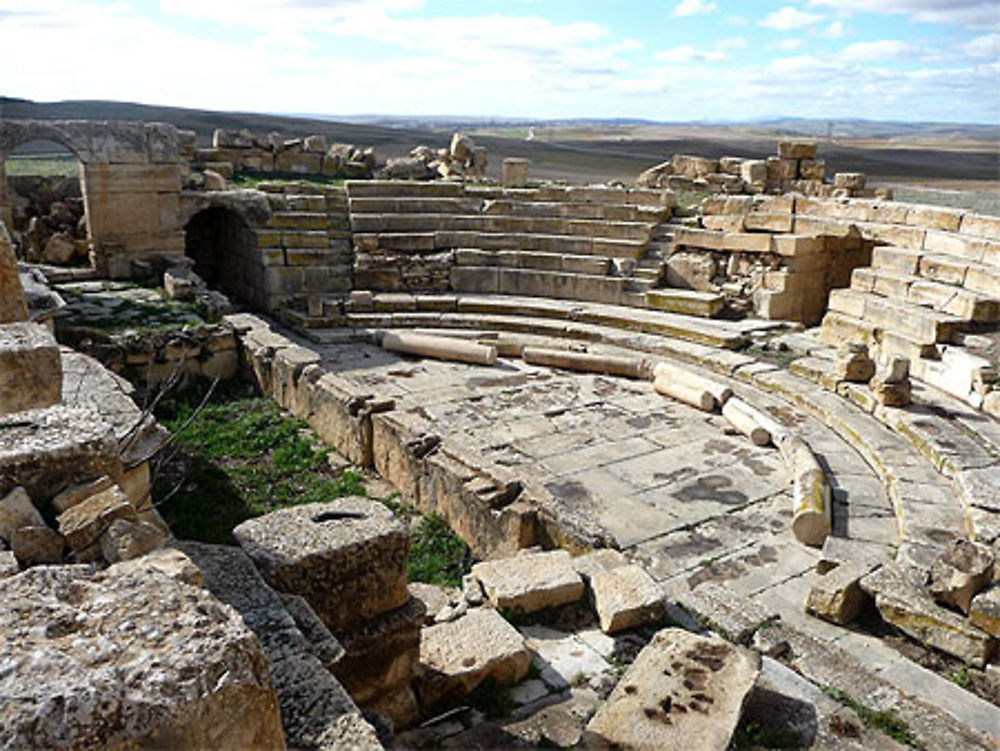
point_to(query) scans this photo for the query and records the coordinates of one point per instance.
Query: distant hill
(581, 150)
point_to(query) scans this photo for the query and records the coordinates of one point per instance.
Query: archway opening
(222, 246)
(42, 204)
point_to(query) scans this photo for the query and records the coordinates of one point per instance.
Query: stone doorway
(42, 203)
(223, 248)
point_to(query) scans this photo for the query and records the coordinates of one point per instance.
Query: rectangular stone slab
(30, 370)
(683, 693)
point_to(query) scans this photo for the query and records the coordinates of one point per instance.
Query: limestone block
(30, 368)
(849, 180)
(752, 423)
(305, 163)
(12, 305)
(837, 595)
(37, 545)
(683, 692)
(753, 171)
(168, 562)
(779, 169)
(796, 149)
(214, 690)
(731, 165)
(347, 558)
(691, 270)
(124, 540)
(984, 612)
(83, 524)
(812, 169)
(911, 610)
(456, 657)
(131, 178)
(685, 165)
(959, 572)
(981, 226)
(46, 450)
(625, 597)
(514, 172)
(16, 511)
(315, 144)
(530, 581)
(852, 363)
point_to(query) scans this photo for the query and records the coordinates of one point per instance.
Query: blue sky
(674, 60)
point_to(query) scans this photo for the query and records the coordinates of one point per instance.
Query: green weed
(886, 721)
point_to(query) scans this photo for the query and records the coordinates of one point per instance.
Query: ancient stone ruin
(728, 473)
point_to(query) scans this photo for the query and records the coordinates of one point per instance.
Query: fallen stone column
(683, 392)
(719, 391)
(629, 367)
(752, 423)
(810, 493)
(439, 347)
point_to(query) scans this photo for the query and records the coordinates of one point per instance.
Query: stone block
(169, 562)
(683, 692)
(456, 657)
(626, 597)
(530, 581)
(37, 546)
(514, 172)
(125, 539)
(959, 572)
(12, 305)
(849, 180)
(694, 167)
(83, 524)
(984, 612)
(347, 558)
(796, 149)
(30, 368)
(837, 596)
(193, 673)
(16, 511)
(981, 225)
(812, 169)
(46, 450)
(754, 171)
(909, 609)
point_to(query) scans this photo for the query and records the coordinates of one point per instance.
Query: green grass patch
(253, 179)
(885, 721)
(240, 457)
(437, 555)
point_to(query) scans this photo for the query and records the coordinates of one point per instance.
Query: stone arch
(223, 246)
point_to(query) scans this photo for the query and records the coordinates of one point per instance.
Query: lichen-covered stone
(456, 657)
(167, 561)
(347, 558)
(984, 611)
(911, 610)
(530, 581)
(12, 305)
(112, 660)
(683, 692)
(30, 371)
(837, 596)
(957, 575)
(46, 450)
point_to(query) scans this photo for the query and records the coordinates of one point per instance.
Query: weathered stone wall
(131, 178)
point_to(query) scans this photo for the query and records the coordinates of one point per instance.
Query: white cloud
(785, 45)
(737, 21)
(732, 43)
(789, 18)
(835, 30)
(694, 7)
(687, 53)
(987, 45)
(883, 49)
(975, 13)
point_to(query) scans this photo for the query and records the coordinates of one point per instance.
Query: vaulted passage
(223, 248)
